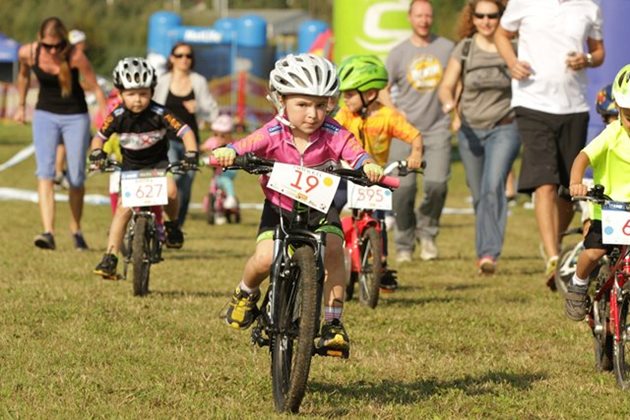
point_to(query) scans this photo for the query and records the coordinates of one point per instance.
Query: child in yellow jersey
(361, 77)
(609, 155)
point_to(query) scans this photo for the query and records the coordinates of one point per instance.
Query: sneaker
(107, 267)
(79, 242)
(576, 302)
(242, 309)
(487, 265)
(390, 222)
(550, 273)
(403, 256)
(174, 235)
(428, 249)
(230, 202)
(45, 240)
(220, 219)
(333, 339)
(388, 281)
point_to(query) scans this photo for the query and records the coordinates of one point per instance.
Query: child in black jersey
(141, 125)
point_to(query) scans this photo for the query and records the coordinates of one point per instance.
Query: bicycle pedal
(258, 338)
(323, 351)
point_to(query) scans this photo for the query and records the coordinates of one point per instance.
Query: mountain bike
(145, 235)
(609, 311)
(290, 314)
(363, 232)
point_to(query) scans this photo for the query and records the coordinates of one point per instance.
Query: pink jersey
(331, 143)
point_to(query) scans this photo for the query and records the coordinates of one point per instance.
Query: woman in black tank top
(185, 93)
(60, 115)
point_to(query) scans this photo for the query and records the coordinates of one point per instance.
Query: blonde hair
(55, 27)
(465, 25)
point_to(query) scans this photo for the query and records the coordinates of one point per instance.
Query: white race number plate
(616, 223)
(373, 197)
(309, 186)
(143, 188)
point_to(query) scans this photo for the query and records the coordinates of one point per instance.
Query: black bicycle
(290, 314)
(144, 237)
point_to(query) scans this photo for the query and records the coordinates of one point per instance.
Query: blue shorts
(49, 130)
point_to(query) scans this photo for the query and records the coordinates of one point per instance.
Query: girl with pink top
(300, 134)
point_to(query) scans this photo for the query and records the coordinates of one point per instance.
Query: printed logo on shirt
(108, 121)
(425, 72)
(173, 122)
(157, 109)
(118, 111)
(140, 141)
(332, 127)
(274, 129)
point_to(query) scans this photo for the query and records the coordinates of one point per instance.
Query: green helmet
(621, 87)
(362, 72)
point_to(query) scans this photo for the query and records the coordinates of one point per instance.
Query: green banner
(369, 26)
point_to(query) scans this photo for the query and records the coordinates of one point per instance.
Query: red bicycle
(610, 307)
(363, 231)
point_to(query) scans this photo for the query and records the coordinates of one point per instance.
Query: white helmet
(303, 74)
(75, 36)
(134, 73)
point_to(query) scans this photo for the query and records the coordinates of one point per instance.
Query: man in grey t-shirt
(415, 68)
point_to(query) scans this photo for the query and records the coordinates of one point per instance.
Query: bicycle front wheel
(621, 343)
(297, 320)
(140, 258)
(371, 267)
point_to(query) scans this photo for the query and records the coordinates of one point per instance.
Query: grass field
(448, 344)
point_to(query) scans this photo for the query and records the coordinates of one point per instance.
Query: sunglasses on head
(488, 15)
(182, 55)
(59, 46)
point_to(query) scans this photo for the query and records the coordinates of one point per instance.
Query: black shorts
(593, 239)
(317, 221)
(551, 142)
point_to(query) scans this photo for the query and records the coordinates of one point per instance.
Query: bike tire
(603, 342)
(620, 363)
(140, 258)
(298, 318)
(210, 213)
(371, 267)
(565, 268)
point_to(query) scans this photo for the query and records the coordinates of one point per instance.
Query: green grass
(448, 344)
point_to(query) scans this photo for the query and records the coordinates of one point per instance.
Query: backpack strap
(465, 56)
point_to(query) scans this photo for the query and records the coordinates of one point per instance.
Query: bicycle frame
(617, 278)
(353, 228)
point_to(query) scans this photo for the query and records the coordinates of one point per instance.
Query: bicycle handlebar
(253, 164)
(113, 165)
(595, 194)
(403, 169)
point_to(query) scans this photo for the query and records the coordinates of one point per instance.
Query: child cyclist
(361, 77)
(222, 128)
(609, 155)
(141, 125)
(300, 134)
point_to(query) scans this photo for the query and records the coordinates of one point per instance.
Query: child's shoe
(242, 309)
(107, 267)
(576, 302)
(333, 340)
(174, 235)
(230, 202)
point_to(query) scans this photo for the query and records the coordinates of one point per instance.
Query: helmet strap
(275, 100)
(365, 104)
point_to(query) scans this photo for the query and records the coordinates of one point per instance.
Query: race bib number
(373, 197)
(309, 186)
(143, 188)
(114, 182)
(616, 223)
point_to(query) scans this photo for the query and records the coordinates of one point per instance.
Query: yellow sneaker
(550, 272)
(242, 309)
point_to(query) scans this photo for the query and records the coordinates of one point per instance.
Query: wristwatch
(589, 59)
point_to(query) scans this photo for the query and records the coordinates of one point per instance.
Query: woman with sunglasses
(61, 114)
(476, 85)
(185, 93)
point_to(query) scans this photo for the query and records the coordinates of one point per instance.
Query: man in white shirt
(549, 96)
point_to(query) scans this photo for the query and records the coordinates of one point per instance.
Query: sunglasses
(189, 56)
(488, 15)
(59, 46)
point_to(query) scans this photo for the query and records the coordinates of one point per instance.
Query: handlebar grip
(210, 161)
(390, 182)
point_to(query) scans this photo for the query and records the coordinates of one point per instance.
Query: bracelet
(589, 59)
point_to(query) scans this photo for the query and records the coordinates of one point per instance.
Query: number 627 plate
(143, 188)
